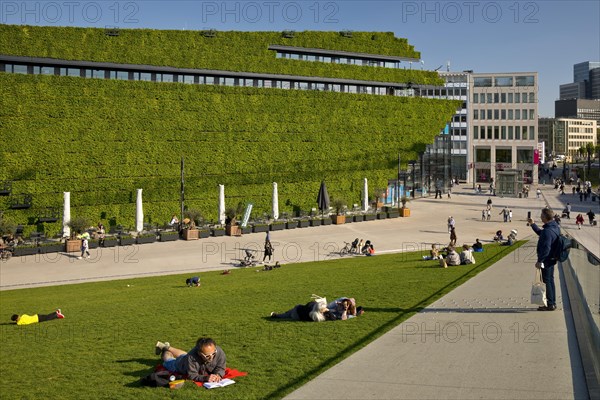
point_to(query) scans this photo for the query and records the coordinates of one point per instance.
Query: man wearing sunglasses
(204, 363)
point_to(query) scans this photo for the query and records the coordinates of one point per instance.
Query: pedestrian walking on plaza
(483, 214)
(489, 203)
(591, 216)
(489, 214)
(548, 248)
(568, 210)
(453, 237)
(85, 247)
(538, 193)
(509, 215)
(451, 223)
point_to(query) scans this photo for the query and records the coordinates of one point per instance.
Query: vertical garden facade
(100, 114)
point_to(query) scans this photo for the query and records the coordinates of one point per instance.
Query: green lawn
(106, 342)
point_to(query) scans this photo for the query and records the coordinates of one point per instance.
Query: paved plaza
(482, 340)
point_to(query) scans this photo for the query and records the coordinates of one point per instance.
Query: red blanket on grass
(230, 373)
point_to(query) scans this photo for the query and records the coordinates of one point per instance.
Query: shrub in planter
(25, 250)
(291, 224)
(246, 230)
(146, 238)
(233, 230)
(277, 226)
(382, 215)
(218, 232)
(405, 212)
(315, 222)
(370, 217)
(393, 213)
(260, 228)
(168, 236)
(339, 217)
(93, 243)
(303, 223)
(327, 220)
(51, 247)
(126, 240)
(359, 218)
(110, 241)
(73, 245)
(203, 233)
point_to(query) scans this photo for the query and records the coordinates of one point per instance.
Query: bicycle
(346, 249)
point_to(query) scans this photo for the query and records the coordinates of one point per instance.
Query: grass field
(106, 342)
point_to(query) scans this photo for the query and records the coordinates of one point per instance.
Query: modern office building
(582, 86)
(565, 136)
(577, 108)
(595, 83)
(504, 125)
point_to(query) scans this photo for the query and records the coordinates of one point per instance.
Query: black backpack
(156, 379)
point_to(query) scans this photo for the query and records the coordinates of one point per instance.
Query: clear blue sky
(485, 36)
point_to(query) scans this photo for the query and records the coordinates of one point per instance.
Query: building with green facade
(100, 113)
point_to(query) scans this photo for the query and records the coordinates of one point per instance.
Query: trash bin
(520, 194)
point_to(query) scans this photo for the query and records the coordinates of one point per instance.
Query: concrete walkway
(482, 340)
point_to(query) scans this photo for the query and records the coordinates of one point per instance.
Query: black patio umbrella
(323, 198)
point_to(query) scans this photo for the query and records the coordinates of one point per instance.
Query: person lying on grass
(312, 311)
(344, 308)
(204, 363)
(25, 319)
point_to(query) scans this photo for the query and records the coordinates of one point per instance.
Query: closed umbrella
(275, 202)
(139, 212)
(67, 214)
(365, 199)
(323, 198)
(221, 204)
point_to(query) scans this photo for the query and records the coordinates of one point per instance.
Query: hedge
(230, 51)
(103, 139)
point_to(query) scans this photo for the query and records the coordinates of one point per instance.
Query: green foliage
(103, 139)
(78, 225)
(105, 343)
(231, 51)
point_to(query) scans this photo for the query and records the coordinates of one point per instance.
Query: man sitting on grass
(204, 363)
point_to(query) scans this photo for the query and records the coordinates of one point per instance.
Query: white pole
(275, 202)
(139, 212)
(67, 214)
(221, 204)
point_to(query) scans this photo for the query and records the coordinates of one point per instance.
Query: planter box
(405, 212)
(110, 242)
(168, 236)
(73, 245)
(203, 233)
(25, 251)
(359, 218)
(326, 221)
(93, 244)
(260, 228)
(291, 225)
(218, 232)
(277, 227)
(303, 223)
(338, 219)
(190, 234)
(370, 217)
(145, 239)
(349, 219)
(382, 215)
(55, 248)
(126, 241)
(315, 222)
(393, 214)
(233, 230)
(246, 230)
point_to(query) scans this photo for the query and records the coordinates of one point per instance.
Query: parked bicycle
(346, 249)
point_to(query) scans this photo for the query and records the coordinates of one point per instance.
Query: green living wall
(103, 139)
(229, 51)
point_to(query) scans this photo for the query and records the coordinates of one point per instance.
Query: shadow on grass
(403, 314)
(150, 366)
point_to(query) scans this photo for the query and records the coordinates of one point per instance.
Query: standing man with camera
(547, 253)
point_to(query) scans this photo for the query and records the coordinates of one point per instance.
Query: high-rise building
(572, 91)
(582, 86)
(595, 83)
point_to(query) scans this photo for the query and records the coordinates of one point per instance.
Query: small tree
(195, 217)
(78, 226)
(339, 205)
(232, 214)
(6, 227)
(404, 200)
